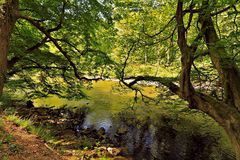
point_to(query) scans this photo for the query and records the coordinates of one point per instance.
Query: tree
(200, 19)
(58, 41)
(66, 32)
(8, 8)
(226, 113)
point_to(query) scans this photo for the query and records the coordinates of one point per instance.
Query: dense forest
(189, 49)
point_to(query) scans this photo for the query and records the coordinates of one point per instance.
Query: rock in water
(113, 151)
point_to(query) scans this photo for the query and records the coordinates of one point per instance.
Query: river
(166, 130)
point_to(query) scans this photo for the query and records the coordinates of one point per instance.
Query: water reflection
(144, 137)
(97, 121)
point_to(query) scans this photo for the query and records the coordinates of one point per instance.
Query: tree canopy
(189, 46)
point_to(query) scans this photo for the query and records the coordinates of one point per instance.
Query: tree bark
(226, 112)
(186, 87)
(226, 116)
(7, 22)
(226, 67)
(229, 110)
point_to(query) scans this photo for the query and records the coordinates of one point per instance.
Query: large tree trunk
(227, 112)
(229, 109)
(235, 139)
(8, 8)
(225, 65)
(227, 116)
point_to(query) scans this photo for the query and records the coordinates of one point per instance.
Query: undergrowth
(40, 131)
(7, 143)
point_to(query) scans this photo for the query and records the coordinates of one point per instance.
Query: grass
(28, 125)
(7, 140)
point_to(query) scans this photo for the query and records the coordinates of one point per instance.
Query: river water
(105, 98)
(167, 130)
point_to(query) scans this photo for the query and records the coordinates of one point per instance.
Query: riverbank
(18, 144)
(57, 130)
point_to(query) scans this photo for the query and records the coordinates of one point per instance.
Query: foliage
(39, 67)
(58, 46)
(92, 38)
(27, 123)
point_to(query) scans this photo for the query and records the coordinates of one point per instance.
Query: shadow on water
(167, 139)
(149, 132)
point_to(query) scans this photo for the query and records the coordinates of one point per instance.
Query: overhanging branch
(55, 42)
(165, 81)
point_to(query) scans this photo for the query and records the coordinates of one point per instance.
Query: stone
(113, 151)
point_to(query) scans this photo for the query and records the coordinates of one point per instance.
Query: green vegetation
(28, 125)
(105, 98)
(53, 51)
(7, 142)
(2, 2)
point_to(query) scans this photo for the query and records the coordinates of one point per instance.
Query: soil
(61, 124)
(30, 147)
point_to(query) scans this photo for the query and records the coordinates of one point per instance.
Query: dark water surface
(165, 131)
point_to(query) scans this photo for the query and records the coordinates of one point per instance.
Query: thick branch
(226, 67)
(168, 82)
(186, 87)
(54, 41)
